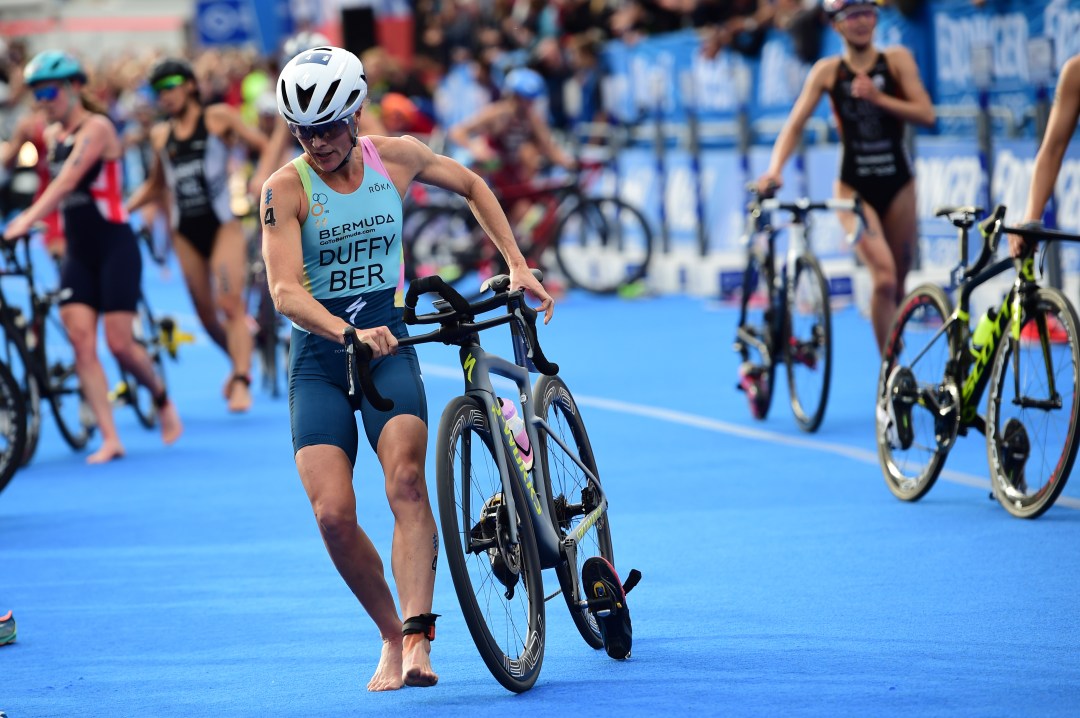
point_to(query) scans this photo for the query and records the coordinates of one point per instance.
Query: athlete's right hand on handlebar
(1017, 244)
(769, 183)
(380, 339)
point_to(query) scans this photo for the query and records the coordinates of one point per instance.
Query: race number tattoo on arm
(268, 217)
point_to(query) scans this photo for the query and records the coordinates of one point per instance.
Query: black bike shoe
(607, 601)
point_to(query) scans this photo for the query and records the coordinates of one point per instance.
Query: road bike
(784, 312)
(600, 243)
(1025, 354)
(12, 425)
(507, 511)
(37, 349)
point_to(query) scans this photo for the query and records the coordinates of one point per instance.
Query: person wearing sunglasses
(332, 245)
(874, 94)
(101, 272)
(189, 174)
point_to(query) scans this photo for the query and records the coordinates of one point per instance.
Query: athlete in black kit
(874, 93)
(190, 173)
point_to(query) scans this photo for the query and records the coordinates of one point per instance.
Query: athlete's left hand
(17, 227)
(864, 88)
(522, 278)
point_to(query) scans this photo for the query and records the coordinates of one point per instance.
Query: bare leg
(229, 266)
(80, 321)
(402, 448)
(327, 477)
(902, 233)
(134, 359)
(196, 269)
(875, 253)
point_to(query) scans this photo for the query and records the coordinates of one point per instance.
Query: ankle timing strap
(161, 399)
(424, 623)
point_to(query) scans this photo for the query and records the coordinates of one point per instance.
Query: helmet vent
(352, 98)
(285, 98)
(329, 95)
(304, 96)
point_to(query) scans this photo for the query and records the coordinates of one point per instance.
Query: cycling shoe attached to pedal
(606, 596)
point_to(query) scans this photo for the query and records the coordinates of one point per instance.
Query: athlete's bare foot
(416, 662)
(388, 675)
(239, 393)
(171, 428)
(109, 450)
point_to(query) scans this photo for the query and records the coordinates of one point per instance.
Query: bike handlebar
(802, 207)
(456, 316)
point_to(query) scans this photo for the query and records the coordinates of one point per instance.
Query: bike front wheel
(603, 244)
(12, 425)
(1031, 418)
(70, 409)
(498, 583)
(571, 496)
(808, 351)
(913, 440)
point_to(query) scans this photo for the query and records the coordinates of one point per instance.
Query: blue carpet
(780, 575)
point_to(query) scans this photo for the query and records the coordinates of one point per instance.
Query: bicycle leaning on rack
(41, 356)
(935, 370)
(784, 312)
(599, 243)
(507, 510)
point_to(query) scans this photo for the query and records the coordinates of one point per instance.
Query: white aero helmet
(320, 85)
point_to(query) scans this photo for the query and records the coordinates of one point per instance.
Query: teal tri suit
(352, 266)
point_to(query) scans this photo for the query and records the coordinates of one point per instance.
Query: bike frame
(478, 365)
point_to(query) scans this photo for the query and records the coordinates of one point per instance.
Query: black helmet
(169, 67)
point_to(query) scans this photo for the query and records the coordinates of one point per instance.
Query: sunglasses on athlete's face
(325, 132)
(46, 93)
(856, 14)
(168, 83)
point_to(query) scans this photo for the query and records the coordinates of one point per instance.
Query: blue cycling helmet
(524, 82)
(53, 65)
(835, 7)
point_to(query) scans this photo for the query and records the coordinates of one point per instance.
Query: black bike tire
(936, 296)
(513, 673)
(810, 420)
(76, 436)
(592, 207)
(462, 262)
(142, 398)
(13, 405)
(551, 391)
(1033, 509)
(754, 268)
(31, 391)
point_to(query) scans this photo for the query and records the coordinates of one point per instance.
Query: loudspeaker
(358, 29)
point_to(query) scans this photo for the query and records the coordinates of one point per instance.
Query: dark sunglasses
(46, 93)
(325, 132)
(168, 83)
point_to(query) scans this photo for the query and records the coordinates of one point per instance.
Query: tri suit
(102, 267)
(873, 160)
(196, 171)
(352, 266)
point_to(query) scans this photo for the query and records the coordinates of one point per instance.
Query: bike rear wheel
(499, 585)
(912, 442)
(571, 496)
(69, 407)
(19, 366)
(12, 425)
(1040, 421)
(146, 331)
(603, 244)
(808, 351)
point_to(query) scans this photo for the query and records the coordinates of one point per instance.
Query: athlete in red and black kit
(102, 267)
(874, 93)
